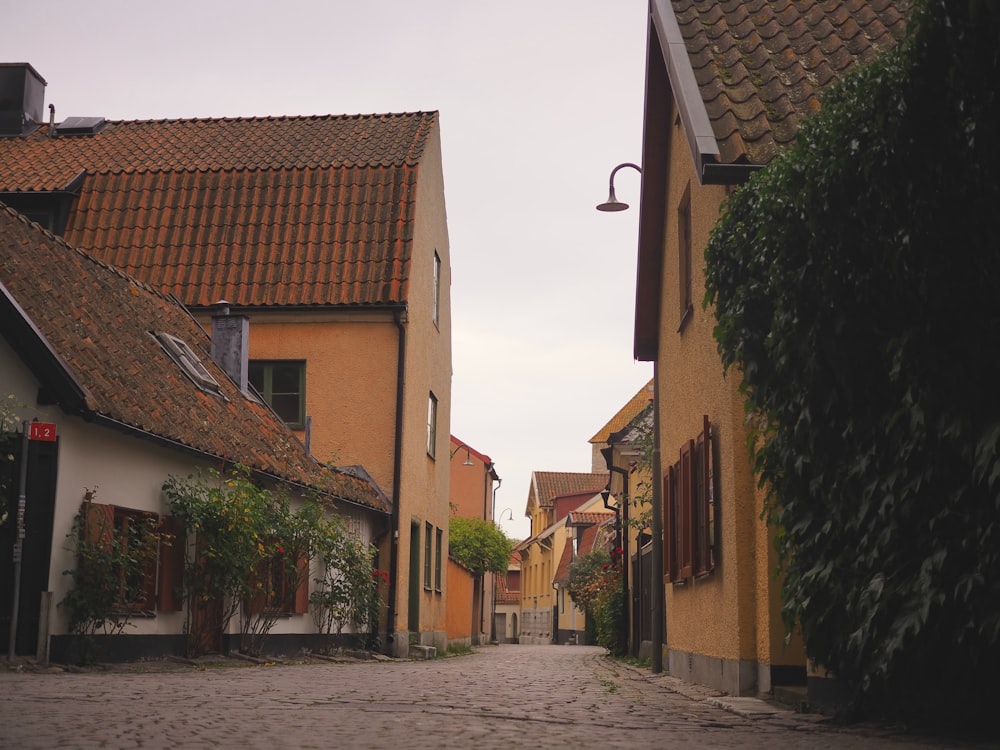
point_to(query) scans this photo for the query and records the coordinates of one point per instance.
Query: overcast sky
(538, 100)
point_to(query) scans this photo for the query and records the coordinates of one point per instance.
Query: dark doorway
(39, 509)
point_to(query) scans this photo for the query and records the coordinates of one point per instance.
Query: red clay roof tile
(257, 211)
(76, 303)
(761, 65)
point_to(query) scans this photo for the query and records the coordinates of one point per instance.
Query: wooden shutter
(170, 583)
(260, 576)
(301, 603)
(670, 525)
(99, 525)
(685, 508)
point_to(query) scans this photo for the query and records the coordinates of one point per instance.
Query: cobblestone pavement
(498, 697)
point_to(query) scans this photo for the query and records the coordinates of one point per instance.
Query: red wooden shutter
(685, 520)
(302, 587)
(170, 595)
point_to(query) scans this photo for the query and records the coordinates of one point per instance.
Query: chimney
(22, 99)
(231, 343)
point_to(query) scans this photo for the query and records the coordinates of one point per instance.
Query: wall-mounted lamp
(468, 456)
(612, 203)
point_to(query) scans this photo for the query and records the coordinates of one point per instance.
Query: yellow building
(725, 90)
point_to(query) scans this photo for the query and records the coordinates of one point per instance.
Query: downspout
(397, 471)
(608, 454)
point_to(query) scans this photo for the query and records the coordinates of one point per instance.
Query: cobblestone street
(499, 697)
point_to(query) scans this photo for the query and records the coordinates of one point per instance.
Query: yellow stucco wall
(732, 614)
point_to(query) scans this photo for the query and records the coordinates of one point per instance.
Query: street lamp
(468, 454)
(656, 526)
(612, 203)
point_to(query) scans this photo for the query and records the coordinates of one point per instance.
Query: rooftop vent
(22, 98)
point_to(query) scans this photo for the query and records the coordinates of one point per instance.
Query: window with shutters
(689, 510)
(157, 541)
(281, 583)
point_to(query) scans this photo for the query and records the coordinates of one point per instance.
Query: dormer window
(188, 361)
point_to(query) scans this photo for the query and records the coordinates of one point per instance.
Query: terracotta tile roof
(626, 414)
(761, 65)
(87, 330)
(257, 211)
(548, 485)
(588, 517)
(504, 593)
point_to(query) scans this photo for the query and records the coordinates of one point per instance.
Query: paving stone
(497, 697)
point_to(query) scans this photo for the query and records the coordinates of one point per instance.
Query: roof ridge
(270, 118)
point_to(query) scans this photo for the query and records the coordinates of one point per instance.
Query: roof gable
(741, 77)
(548, 485)
(625, 415)
(88, 332)
(290, 211)
(759, 67)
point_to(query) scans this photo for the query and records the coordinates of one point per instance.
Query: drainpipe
(608, 454)
(657, 585)
(397, 471)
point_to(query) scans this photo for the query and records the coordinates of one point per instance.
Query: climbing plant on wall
(855, 282)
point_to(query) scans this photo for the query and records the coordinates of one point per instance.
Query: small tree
(250, 551)
(479, 545)
(595, 587)
(347, 585)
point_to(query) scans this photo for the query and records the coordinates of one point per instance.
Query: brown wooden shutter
(302, 587)
(99, 525)
(261, 575)
(685, 508)
(170, 595)
(669, 525)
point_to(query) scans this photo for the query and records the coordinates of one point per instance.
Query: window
(432, 412)
(427, 555)
(282, 583)
(684, 253)
(438, 539)
(188, 361)
(436, 302)
(283, 386)
(127, 535)
(689, 504)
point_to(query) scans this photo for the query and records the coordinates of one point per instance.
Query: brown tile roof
(256, 211)
(761, 65)
(548, 485)
(85, 329)
(587, 517)
(626, 414)
(562, 569)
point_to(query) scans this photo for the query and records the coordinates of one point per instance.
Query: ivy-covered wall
(856, 283)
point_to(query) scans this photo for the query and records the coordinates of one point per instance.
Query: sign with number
(44, 431)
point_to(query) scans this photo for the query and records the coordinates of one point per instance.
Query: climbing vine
(855, 282)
